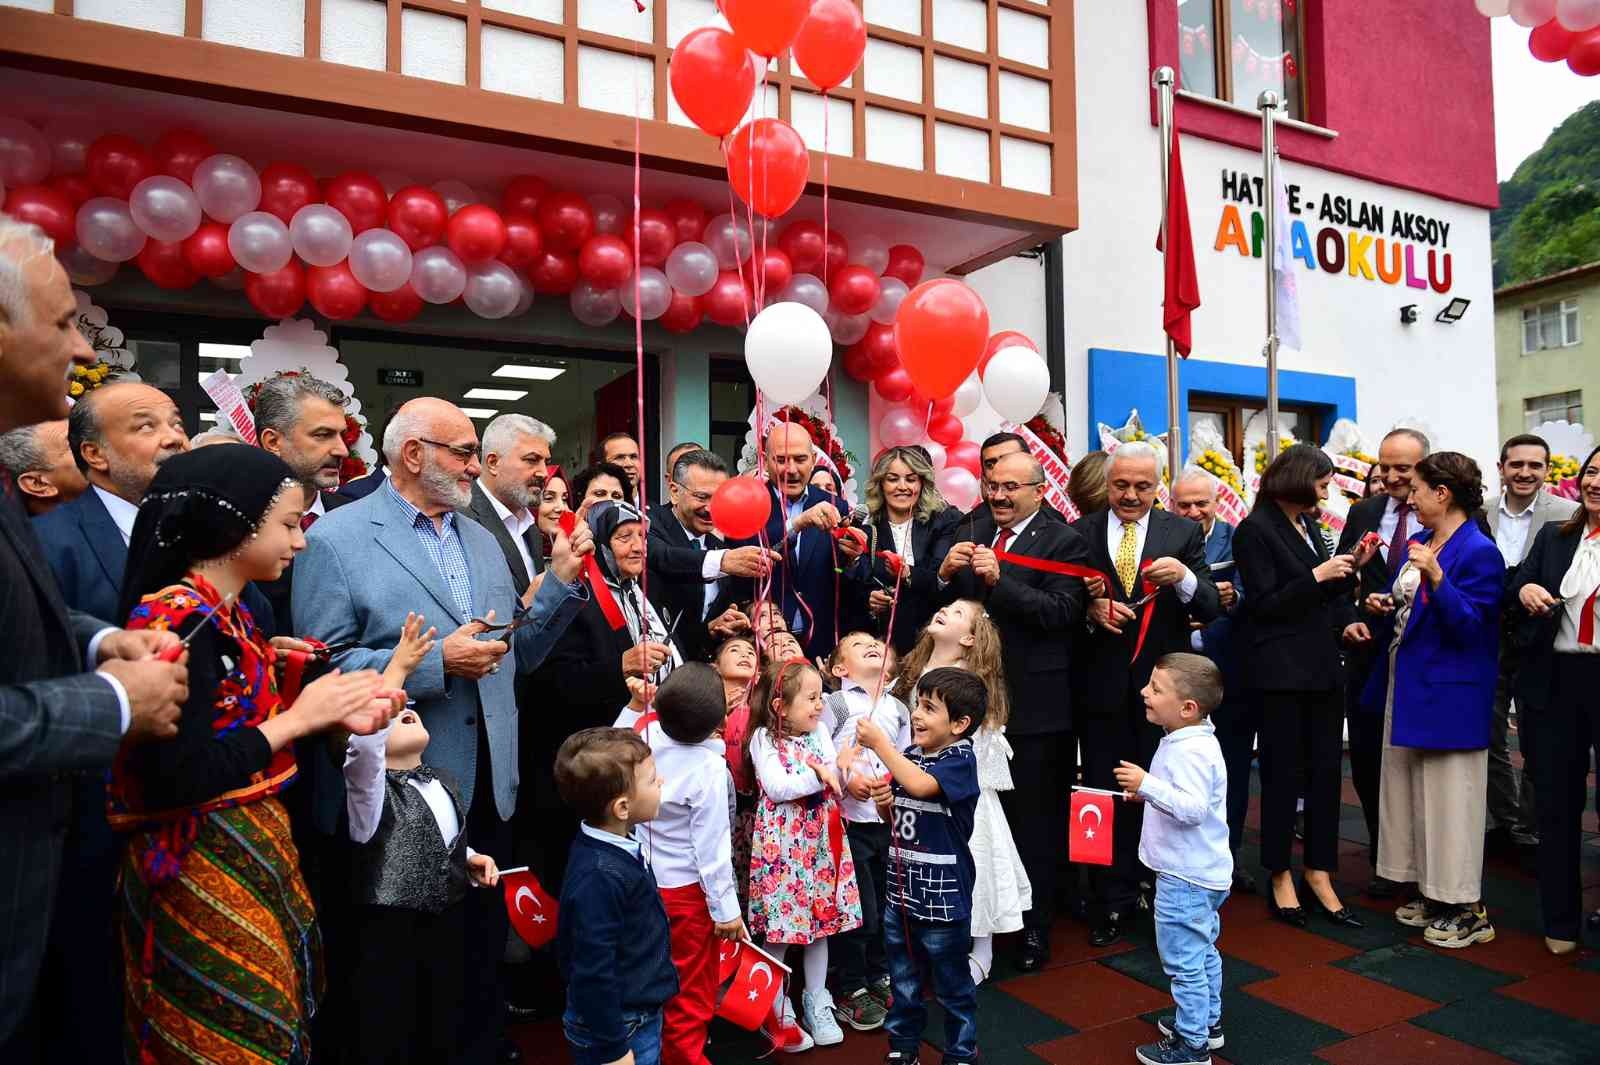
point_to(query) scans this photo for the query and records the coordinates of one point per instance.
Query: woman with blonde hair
(910, 518)
(964, 636)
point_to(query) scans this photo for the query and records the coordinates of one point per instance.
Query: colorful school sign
(1341, 234)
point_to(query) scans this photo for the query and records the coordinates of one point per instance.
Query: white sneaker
(819, 1020)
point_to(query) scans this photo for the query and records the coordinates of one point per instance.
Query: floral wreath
(113, 361)
(353, 465)
(1049, 434)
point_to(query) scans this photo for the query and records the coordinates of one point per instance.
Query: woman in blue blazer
(1440, 621)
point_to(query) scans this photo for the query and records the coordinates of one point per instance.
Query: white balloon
(959, 488)
(69, 138)
(524, 301)
(608, 213)
(106, 230)
(788, 351)
(1493, 8)
(165, 208)
(321, 235)
(380, 260)
(847, 328)
(1578, 15)
(891, 291)
(871, 251)
(655, 294)
(24, 153)
(1016, 382)
(437, 275)
(729, 239)
(1531, 13)
(968, 395)
(260, 242)
(492, 290)
(806, 289)
(692, 268)
(594, 307)
(936, 454)
(228, 187)
(456, 194)
(900, 427)
(84, 269)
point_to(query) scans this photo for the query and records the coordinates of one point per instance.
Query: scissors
(172, 654)
(1143, 599)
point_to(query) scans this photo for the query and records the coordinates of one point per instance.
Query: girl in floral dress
(802, 879)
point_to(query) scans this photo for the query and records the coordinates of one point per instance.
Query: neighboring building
(1547, 349)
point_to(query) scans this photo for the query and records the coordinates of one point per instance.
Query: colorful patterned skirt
(223, 964)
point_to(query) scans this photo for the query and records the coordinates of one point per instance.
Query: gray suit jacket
(363, 568)
(1546, 509)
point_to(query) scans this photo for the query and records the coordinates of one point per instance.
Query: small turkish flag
(728, 952)
(1090, 834)
(533, 913)
(755, 987)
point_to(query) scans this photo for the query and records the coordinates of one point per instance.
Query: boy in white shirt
(689, 848)
(863, 970)
(1185, 842)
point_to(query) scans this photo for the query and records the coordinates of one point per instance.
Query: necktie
(1128, 556)
(1002, 540)
(307, 520)
(1397, 546)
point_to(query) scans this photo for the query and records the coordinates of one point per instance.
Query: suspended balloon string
(645, 629)
(826, 151)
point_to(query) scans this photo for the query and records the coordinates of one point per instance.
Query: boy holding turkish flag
(1185, 843)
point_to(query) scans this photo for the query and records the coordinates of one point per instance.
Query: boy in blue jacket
(612, 937)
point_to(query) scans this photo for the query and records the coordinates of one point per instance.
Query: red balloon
(163, 263)
(894, 386)
(941, 330)
(523, 194)
(335, 292)
(418, 216)
(805, 246)
(713, 79)
(906, 263)
(1006, 338)
(359, 197)
(740, 507)
(75, 187)
(278, 294)
(115, 164)
(945, 429)
(918, 401)
(767, 165)
(683, 314)
(179, 151)
(206, 249)
(287, 187)
(688, 220)
(1550, 42)
(773, 271)
(854, 290)
(567, 221)
(476, 233)
(831, 42)
(766, 27)
(401, 305)
(657, 236)
(966, 454)
(1584, 55)
(728, 303)
(46, 208)
(555, 272)
(838, 252)
(605, 261)
(857, 363)
(880, 350)
(524, 242)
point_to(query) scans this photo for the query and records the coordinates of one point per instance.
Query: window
(1231, 417)
(1552, 408)
(1233, 49)
(1549, 325)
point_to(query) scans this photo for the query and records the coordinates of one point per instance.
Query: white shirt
(364, 794)
(122, 512)
(782, 784)
(317, 506)
(1390, 521)
(1511, 531)
(1185, 830)
(901, 534)
(516, 525)
(891, 715)
(690, 840)
(1185, 587)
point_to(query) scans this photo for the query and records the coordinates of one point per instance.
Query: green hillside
(1549, 214)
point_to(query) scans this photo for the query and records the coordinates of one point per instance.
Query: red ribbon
(1072, 569)
(1586, 620)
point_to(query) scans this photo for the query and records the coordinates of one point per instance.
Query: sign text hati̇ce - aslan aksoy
(1355, 237)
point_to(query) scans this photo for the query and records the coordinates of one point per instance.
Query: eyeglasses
(1011, 487)
(460, 451)
(702, 498)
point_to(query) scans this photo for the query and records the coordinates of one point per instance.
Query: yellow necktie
(1128, 556)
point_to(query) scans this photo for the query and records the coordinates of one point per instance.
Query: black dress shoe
(1035, 950)
(1381, 888)
(1243, 881)
(1342, 916)
(509, 1053)
(1294, 916)
(1107, 932)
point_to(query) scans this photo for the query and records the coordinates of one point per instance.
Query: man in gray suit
(54, 717)
(1524, 508)
(402, 549)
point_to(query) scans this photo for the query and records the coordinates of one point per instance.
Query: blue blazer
(1216, 639)
(807, 570)
(1449, 658)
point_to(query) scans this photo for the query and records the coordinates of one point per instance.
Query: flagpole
(1164, 81)
(1268, 103)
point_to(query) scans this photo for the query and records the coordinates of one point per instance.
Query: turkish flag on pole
(1181, 293)
(1089, 837)
(755, 987)
(533, 913)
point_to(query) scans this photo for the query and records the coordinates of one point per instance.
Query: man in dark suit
(1391, 517)
(1034, 610)
(505, 499)
(1141, 551)
(55, 719)
(690, 565)
(41, 466)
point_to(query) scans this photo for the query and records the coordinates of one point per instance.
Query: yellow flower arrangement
(1220, 467)
(1261, 451)
(1562, 467)
(88, 378)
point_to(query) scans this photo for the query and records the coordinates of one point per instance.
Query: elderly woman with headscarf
(221, 949)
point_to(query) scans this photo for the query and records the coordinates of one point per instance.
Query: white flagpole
(1268, 103)
(1164, 81)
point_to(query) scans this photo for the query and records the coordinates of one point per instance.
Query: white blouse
(1579, 584)
(901, 533)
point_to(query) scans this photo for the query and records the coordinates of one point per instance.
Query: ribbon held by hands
(1147, 590)
(595, 579)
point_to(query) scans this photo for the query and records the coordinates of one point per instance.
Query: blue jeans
(941, 946)
(644, 1039)
(1187, 926)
